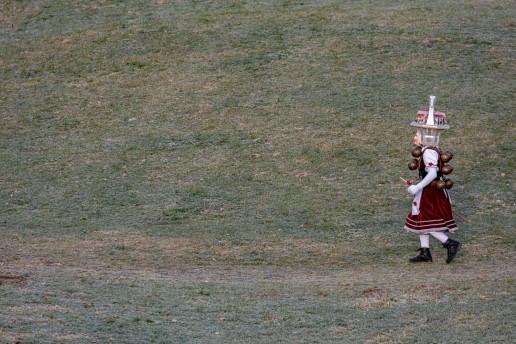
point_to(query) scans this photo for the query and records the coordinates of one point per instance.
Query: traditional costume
(431, 208)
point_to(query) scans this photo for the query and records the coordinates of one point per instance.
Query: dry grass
(228, 171)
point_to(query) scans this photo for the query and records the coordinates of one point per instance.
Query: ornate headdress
(430, 124)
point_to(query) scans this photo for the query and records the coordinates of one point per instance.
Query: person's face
(417, 139)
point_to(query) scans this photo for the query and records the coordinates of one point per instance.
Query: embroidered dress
(431, 207)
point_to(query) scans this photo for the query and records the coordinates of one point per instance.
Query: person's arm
(431, 160)
(432, 174)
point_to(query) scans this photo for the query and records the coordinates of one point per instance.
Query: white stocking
(425, 240)
(440, 236)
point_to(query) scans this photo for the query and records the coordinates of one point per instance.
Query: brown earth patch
(373, 292)
(14, 280)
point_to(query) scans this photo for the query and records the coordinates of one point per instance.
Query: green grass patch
(228, 171)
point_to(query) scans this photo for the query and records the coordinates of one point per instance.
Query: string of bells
(444, 183)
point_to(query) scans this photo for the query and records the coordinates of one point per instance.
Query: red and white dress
(431, 207)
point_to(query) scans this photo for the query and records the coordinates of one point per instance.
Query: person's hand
(413, 189)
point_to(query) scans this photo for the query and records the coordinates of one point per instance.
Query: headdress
(430, 124)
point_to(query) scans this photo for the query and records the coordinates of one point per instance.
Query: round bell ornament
(446, 156)
(447, 169)
(441, 185)
(412, 165)
(448, 182)
(416, 152)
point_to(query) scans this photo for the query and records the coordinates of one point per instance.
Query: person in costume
(431, 213)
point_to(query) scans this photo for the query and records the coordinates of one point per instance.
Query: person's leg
(450, 245)
(424, 252)
(440, 236)
(424, 239)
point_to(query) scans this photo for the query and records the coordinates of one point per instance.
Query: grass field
(180, 171)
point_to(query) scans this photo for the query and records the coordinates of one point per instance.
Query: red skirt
(435, 213)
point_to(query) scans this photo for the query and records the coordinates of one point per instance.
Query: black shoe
(452, 247)
(423, 256)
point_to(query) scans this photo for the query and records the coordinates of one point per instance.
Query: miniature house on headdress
(430, 124)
